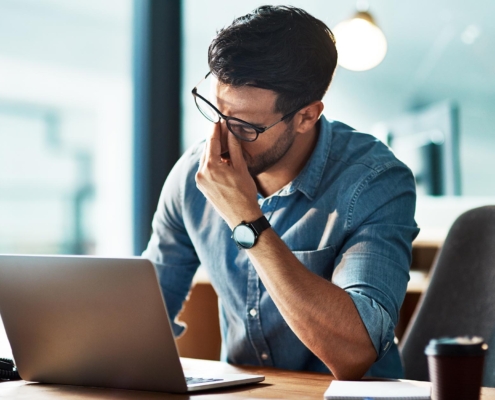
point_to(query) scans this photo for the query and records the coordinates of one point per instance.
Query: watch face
(244, 236)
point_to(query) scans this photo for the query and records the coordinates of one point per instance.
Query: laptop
(92, 321)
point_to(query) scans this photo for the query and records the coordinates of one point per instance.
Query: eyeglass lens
(239, 129)
(242, 131)
(205, 109)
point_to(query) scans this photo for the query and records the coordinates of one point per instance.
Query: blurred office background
(87, 106)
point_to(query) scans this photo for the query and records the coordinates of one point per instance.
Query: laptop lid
(90, 321)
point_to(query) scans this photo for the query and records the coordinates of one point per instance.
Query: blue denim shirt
(348, 217)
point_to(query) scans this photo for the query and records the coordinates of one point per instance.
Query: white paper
(377, 390)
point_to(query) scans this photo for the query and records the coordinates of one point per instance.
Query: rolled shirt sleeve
(373, 264)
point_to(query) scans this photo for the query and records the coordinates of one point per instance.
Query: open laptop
(94, 322)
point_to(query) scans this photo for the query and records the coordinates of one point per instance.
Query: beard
(264, 161)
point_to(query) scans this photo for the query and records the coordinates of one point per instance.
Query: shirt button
(386, 346)
(264, 356)
(253, 312)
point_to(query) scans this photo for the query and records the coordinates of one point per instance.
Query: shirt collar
(309, 178)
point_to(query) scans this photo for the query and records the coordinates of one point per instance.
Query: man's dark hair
(280, 48)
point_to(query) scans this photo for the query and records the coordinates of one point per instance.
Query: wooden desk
(279, 384)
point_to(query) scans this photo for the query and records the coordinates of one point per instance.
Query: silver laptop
(94, 322)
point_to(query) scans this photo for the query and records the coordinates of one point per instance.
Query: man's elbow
(354, 367)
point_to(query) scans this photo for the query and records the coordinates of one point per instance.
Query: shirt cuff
(377, 321)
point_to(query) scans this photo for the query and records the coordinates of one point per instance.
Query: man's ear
(308, 116)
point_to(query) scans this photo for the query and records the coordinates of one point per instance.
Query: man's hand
(227, 184)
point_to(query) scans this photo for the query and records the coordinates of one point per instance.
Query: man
(304, 225)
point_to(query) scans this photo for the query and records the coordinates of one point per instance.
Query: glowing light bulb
(361, 45)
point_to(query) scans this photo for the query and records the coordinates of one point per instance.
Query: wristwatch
(245, 234)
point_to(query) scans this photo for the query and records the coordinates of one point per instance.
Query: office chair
(460, 299)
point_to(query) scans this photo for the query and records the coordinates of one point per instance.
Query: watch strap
(259, 225)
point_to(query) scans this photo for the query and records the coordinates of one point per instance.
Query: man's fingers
(214, 144)
(235, 150)
(203, 155)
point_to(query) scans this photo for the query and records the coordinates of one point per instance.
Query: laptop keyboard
(193, 380)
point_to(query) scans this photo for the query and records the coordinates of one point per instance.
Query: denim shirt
(347, 217)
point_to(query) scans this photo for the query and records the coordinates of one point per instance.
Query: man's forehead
(243, 99)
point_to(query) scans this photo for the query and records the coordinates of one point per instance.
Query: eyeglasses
(241, 129)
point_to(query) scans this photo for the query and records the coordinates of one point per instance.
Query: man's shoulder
(193, 153)
(182, 177)
(354, 148)
(189, 161)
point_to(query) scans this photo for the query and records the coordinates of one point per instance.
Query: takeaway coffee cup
(456, 367)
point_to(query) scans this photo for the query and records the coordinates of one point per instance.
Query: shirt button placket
(253, 319)
(253, 297)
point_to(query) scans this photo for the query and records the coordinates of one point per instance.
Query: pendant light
(361, 44)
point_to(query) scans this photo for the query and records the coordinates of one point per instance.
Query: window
(65, 128)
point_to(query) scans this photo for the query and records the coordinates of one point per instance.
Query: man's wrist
(245, 235)
(245, 216)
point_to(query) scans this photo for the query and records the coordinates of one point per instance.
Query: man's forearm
(321, 314)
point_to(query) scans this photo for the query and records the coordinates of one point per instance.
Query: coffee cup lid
(456, 346)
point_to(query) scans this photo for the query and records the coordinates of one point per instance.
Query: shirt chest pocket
(321, 262)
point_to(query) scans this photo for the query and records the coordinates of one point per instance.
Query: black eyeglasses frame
(227, 119)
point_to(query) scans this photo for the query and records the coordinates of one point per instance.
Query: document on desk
(378, 390)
